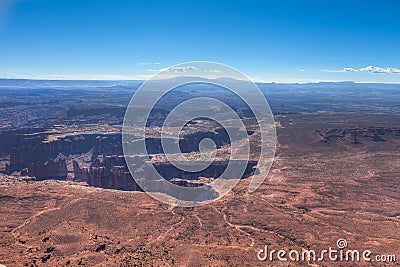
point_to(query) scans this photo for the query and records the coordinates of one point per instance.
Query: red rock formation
(34, 150)
(19, 157)
(80, 174)
(25, 172)
(52, 169)
(111, 173)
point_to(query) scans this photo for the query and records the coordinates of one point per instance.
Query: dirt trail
(162, 237)
(29, 220)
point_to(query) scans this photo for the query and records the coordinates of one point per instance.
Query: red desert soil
(315, 194)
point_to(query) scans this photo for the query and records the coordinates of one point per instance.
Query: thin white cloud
(374, 69)
(214, 71)
(147, 63)
(370, 69)
(180, 69)
(348, 70)
(342, 70)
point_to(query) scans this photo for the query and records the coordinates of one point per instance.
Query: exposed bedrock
(215, 170)
(110, 144)
(51, 169)
(33, 151)
(111, 173)
(11, 139)
(359, 135)
(190, 142)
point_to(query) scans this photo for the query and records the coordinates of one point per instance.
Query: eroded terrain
(316, 193)
(68, 199)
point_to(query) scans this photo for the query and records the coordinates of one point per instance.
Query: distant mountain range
(64, 84)
(28, 83)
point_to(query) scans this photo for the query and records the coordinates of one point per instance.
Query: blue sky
(282, 41)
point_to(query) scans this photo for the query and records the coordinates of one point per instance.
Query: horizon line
(143, 80)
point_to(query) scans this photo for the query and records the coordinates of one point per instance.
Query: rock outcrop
(358, 135)
(110, 173)
(40, 149)
(214, 170)
(51, 169)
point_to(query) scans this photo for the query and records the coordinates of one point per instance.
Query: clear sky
(282, 41)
